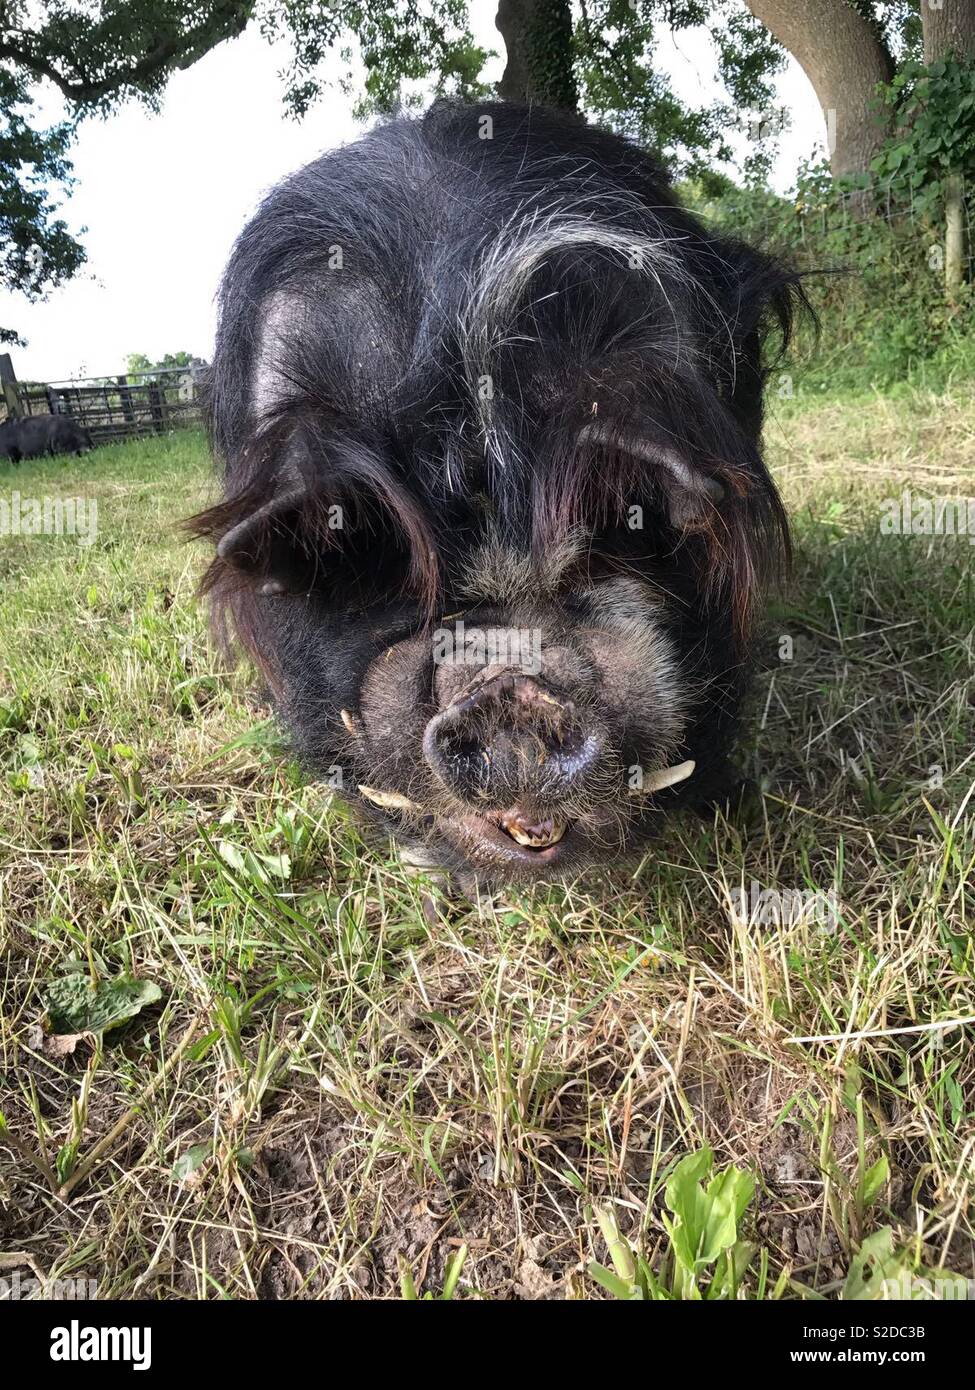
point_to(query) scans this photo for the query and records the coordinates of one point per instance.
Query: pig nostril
(459, 760)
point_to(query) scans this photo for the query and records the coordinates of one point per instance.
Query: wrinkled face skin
(495, 511)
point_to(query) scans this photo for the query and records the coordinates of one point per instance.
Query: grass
(353, 1085)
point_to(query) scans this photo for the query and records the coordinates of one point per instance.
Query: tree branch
(226, 21)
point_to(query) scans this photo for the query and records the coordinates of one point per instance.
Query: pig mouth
(513, 837)
(516, 838)
(529, 832)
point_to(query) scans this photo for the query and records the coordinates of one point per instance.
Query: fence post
(954, 235)
(156, 406)
(8, 382)
(126, 398)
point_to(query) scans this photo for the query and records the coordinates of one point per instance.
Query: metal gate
(112, 408)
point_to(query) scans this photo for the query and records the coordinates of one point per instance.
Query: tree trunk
(951, 29)
(538, 41)
(844, 60)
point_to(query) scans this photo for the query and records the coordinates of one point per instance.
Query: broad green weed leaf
(73, 1006)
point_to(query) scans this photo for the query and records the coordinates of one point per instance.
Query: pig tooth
(666, 777)
(392, 801)
(531, 842)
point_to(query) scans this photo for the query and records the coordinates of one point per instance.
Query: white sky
(163, 197)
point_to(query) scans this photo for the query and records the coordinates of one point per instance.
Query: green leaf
(705, 1225)
(681, 1193)
(685, 1197)
(872, 1265)
(75, 1006)
(428, 1153)
(727, 1197)
(231, 855)
(455, 1267)
(278, 864)
(65, 1161)
(612, 1283)
(874, 1179)
(188, 1163)
(257, 867)
(619, 1249)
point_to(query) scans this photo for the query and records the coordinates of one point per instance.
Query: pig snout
(510, 737)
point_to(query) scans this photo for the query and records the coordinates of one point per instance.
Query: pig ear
(270, 536)
(257, 543)
(287, 533)
(688, 492)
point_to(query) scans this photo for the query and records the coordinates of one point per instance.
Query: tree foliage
(401, 44)
(875, 283)
(137, 362)
(933, 128)
(622, 85)
(37, 251)
(99, 53)
(95, 55)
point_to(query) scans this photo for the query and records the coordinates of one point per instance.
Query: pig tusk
(666, 777)
(392, 801)
(351, 723)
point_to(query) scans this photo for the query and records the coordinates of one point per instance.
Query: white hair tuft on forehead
(504, 271)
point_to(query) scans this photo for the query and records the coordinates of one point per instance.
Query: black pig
(496, 520)
(34, 435)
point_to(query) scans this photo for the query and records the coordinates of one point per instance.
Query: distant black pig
(34, 435)
(496, 521)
